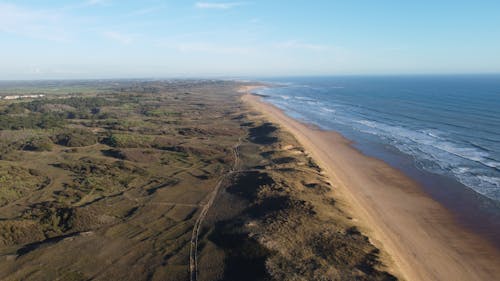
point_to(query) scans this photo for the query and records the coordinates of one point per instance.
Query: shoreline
(420, 236)
(470, 209)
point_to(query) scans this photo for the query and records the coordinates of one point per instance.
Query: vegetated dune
(114, 183)
(276, 221)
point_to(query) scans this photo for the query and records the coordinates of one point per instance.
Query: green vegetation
(38, 144)
(109, 184)
(128, 140)
(101, 177)
(31, 121)
(75, 138)
(16, 182)
(158, 112)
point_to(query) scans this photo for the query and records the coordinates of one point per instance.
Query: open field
(166, 180)
(58, 87)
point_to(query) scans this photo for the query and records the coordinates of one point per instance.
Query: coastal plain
(168, 180)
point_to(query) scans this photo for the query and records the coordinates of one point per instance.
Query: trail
(193, 253)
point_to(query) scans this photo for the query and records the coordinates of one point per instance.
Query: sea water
(448, 125)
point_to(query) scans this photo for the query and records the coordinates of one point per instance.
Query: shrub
(128, 140)
(75, 138)
(31, 121)
(38, 144)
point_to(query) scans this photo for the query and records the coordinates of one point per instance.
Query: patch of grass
(100, 177)
(159, 112)
(16, 182)
(31, 121)
(20, 232)
(75, 138)
(128, 140)
(38, 144)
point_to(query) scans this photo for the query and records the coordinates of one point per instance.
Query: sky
(160, 39)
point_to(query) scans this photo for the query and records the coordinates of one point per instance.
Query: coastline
(421, 238)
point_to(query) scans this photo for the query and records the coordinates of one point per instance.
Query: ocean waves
(454, 143)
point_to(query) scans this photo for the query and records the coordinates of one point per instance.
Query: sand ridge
(421, 238)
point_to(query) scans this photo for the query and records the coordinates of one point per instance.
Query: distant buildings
(16, 97)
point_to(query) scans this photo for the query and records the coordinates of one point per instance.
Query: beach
(419, 238)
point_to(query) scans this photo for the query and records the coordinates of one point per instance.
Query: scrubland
(108, 185)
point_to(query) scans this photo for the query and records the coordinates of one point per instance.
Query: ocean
(446, 125)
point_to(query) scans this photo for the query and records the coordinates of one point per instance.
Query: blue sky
(152, 38)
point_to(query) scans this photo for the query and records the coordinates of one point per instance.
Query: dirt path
(193, 253)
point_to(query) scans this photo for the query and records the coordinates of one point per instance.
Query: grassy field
(108, 185)
(52, 88)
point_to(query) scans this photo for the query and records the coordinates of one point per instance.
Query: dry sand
(419, 237)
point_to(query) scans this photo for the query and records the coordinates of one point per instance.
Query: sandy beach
(419, 238)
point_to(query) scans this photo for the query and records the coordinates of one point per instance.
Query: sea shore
(419, 237)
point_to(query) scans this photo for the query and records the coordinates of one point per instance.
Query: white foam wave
(326, 109)
(426, 137)
(493, 180)
(450, 157)
(432, 149)
(304, 98)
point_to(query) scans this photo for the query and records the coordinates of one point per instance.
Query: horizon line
(235, 77)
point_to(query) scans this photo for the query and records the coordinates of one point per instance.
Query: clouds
(96, 2)
(147, 10)
(217, 5)
(108, 37)
(293, 44)
(196, 44)
(40, 24)
(62, 23)
(212, 48)
(119, 37)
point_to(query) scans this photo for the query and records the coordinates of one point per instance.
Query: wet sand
(420, 238)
